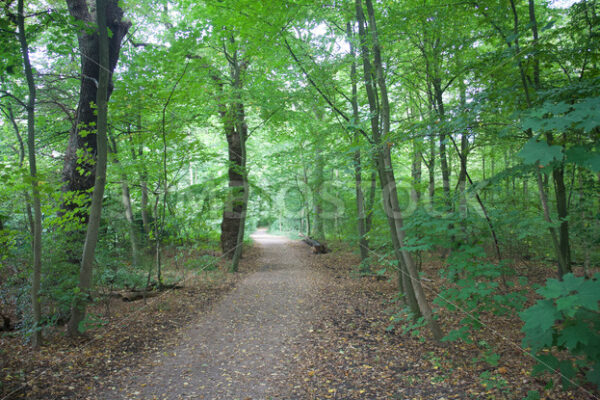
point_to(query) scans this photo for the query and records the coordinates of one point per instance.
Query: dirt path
(241, 349)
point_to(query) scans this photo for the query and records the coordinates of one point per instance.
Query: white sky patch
(562, 3)
(340, 47)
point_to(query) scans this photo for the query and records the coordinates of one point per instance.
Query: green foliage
(204, 263)
(532, 395)
(492, 381)
(541, 152)
(472, 284)
(488, 356)
(91, 321)
(567, 320)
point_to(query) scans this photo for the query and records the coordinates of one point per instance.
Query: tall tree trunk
(236, 131)
(232, 214)
(78, 172)
(431, 168)
(562, 208)
(318, 177)
(160, 218)
(361, 224)
(416, 172)
(36, 338)
(483, 176)
(411, 281)
(561, 244)
(242, 128)
(438, 93)
(462, 155)
(80, 157)
(305, 199)
(462, 176)
(78, 307)
(370, 203)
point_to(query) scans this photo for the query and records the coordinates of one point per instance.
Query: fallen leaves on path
(351, 355)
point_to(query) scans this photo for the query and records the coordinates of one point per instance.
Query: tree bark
(561, 243)
(361, 224)
(80, 158)
(562, 208)
(416, 173)
(36, 338)
(318, 231)
(236, 132)
(78, 307)
(411, 281)
(370, 204)
(438, 93)
(242, 129)
(431, 169)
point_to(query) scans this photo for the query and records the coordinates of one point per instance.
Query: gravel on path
(241, 349)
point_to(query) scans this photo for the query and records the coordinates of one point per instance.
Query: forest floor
(291, 325)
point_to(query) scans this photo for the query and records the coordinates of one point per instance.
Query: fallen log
(133, 296)
(317, 247)
(139, 294)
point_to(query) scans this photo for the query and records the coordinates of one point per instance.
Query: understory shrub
(562, 330)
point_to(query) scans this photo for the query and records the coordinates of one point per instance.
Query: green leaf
(584, 157)
(593, 375)
(573, 335)
(546, 27)
(532, 395)
(553, 289)
(546, 363)
(568, 305)
(539, 320)
(571, 282)
(540, 152)
(589, 294)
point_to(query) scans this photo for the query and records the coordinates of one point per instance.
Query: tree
(80, 157)
(87, 260)
(374, 80)
(37, 209)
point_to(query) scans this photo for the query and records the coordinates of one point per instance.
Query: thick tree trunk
(234, 203)
(236, 131)
(562, 208)
(36, 337)
(80, 157)
(242, 128)
(78, 307)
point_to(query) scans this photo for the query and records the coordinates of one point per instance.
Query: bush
(567, 321)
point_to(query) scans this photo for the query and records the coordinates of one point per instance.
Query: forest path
(241, 349)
